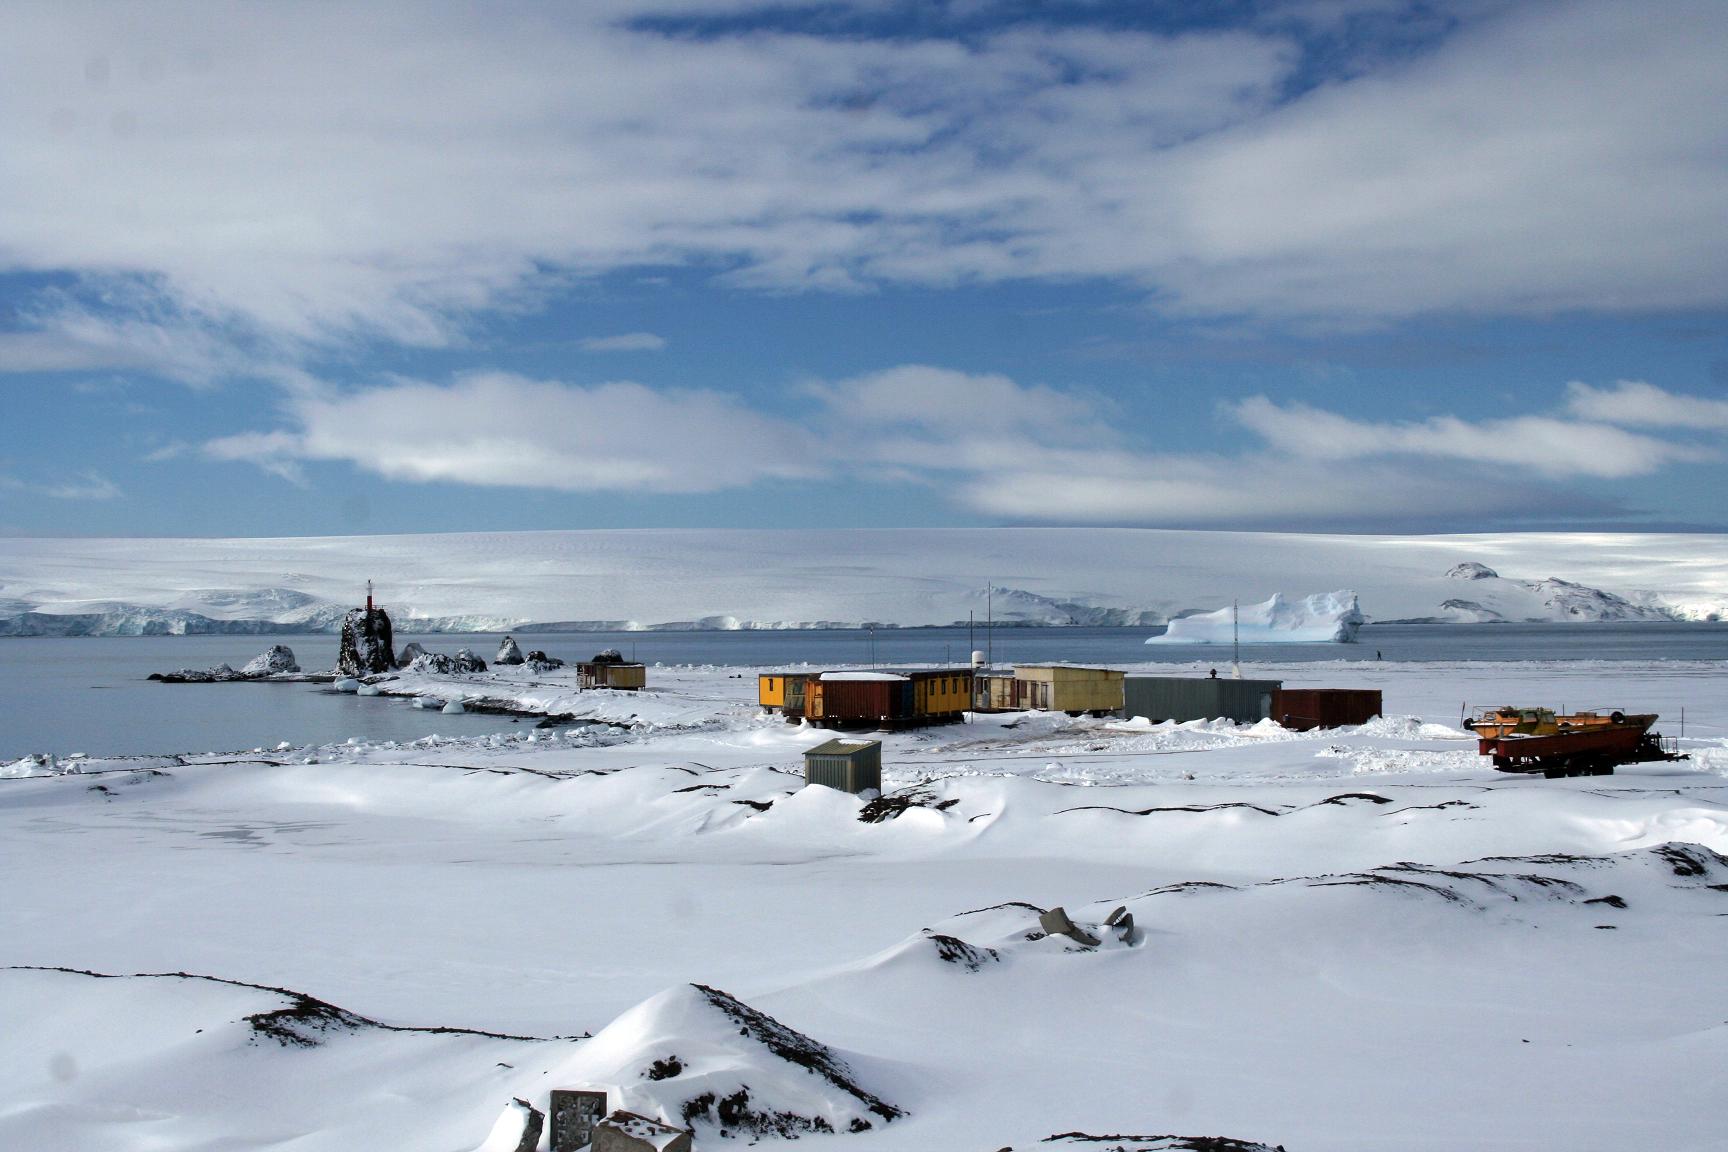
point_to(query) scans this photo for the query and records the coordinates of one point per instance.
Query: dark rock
(543, 662)
(217, 675)
(508, 652)
(433, 662)
(367, 644)
(609, 656)
(533, 1122)
(280, 658)
(953, 950)
(437, 662)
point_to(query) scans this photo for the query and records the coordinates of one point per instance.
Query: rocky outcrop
(366, 646)
(1470, 570)
(508, 652)
(278, 661)
(280, 658)
(543, 662)
(220, 674)
(463, 663)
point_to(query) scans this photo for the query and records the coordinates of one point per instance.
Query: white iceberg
(1318, 619)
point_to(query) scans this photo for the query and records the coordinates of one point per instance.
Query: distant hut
(609, 669)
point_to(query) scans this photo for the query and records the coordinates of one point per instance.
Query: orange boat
(1569, 744)
(1510, 721)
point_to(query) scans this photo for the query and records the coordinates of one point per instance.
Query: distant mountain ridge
(750, 579)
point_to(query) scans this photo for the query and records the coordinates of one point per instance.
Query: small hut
(849, 765)
(609, 669)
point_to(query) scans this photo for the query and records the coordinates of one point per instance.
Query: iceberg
(1322, 618)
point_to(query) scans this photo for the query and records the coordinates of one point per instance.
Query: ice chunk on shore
(1317, 619)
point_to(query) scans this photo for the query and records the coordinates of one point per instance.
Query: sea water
(93, 695)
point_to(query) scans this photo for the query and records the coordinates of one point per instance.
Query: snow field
(1327, 958)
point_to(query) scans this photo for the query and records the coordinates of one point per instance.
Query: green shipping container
(849, 765)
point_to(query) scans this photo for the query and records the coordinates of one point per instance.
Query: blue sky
(1359, 265)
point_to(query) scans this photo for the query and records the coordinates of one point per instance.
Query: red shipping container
(1303, 708)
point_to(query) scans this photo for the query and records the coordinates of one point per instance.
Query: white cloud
(1639, 404)
(308, 173)
(499, 430)
(625, 342)
(985, 442)
(1549, 445)
(78, 486)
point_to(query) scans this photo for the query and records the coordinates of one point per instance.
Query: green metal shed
(1182, 698)
(849, 765)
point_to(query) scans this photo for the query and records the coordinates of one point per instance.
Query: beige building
(1053, 688)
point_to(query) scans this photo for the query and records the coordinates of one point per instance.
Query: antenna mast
(1236, 639)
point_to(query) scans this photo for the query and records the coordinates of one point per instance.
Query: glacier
(621, 580)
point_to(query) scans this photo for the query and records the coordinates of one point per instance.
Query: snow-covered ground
(1356, 939)
(606, 580)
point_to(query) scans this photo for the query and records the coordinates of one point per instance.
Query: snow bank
(1318, 619)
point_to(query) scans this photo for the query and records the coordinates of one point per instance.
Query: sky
(1316, 265)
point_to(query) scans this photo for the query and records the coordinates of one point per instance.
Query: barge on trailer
(1572, 744)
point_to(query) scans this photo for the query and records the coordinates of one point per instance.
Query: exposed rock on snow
(541, 662)
(517, 1130)
(892, 804)
(694, 1055)
(280, 658)
(628, 1132)
(366, 647)
(953, 950)
(463, 663)
(1494, 598)
(508, 652)
(1321, 618)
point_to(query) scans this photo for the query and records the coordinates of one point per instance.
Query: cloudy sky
(280, 269)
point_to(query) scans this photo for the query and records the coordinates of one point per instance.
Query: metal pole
(1235, 639)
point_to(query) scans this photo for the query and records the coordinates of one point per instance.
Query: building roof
(873, 676)
(842, 747)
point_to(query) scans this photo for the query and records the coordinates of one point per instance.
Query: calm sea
(91, 695)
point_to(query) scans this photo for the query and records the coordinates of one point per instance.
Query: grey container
(849, 765)
(1181, 698)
